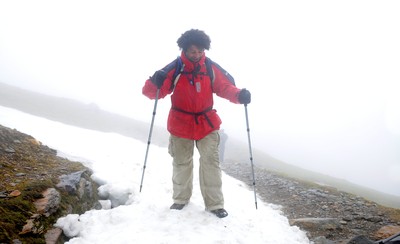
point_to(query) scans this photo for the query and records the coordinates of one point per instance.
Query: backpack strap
(229, 76)
(210, 70)
(179, 67)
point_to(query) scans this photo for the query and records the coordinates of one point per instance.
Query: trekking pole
(251, 154)
(148, 141)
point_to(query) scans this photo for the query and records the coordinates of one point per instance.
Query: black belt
(196, 115)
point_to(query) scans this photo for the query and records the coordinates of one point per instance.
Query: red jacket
(192, 115)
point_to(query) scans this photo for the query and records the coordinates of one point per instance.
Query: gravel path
(351, 215)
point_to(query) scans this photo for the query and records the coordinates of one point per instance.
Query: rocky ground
(326, 214)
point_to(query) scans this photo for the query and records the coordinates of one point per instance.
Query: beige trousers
(181, 151)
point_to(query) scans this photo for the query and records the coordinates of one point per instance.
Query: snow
(130, 216)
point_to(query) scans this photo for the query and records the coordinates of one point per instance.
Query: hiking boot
(220, 213)
(177, 206)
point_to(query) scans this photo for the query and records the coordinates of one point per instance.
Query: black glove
(158, 78)
(244, 96)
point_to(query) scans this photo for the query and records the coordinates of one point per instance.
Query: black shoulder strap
(176, 65)
(170, 66)
(210, 70)
(179, 66)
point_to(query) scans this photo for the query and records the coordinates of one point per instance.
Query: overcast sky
(324, 75)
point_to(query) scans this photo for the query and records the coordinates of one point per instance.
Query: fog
(324, 75)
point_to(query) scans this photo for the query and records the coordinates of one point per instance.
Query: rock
(374, 219)
(14, 193)
(53, 236)
(322, 240)
(49, 203)
(33, 225)
(9, 150)
(81, 185)
(27, 227)
(360, 240)
(70, 182)
(316, 223)
(34, 141)
(386, 232)
(3, 194)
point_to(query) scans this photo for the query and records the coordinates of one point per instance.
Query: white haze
(324, 75)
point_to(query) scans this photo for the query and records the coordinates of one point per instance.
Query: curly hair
(194, 37)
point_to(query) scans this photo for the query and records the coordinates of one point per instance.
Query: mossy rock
(29, 167)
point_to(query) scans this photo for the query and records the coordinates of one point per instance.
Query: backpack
(179, 66)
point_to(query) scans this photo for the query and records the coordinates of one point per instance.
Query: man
(192, 121)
